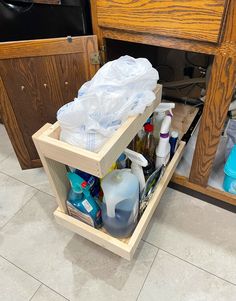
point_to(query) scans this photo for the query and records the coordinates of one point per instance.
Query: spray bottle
(138, 162)
(163, 147)
(158, 117)
(81, 204)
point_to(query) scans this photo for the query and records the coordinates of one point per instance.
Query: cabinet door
(37, 78)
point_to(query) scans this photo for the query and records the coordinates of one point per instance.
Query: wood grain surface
(160, 41)
(13, 130)
(38, 86)
(208, 190)
(195, 20)
(218, 98)
(43, 47)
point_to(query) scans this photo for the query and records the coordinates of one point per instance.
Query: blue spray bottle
(81, 204)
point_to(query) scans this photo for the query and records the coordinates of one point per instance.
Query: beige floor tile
(172, 279)
(46, 294)
(5, 145)
(35, 177)
(15, 285)
(67, 263)
(196, 231)
(13, 195)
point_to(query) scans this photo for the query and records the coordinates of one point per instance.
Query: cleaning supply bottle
(92, 181)
(173, 143)
(137, 142)
(229, 184)
(81, 204)
(138, 162)
(158, 117)
(120, 204)
(148, 148)
(163, 147)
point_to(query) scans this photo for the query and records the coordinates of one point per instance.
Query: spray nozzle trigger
(136, 157)
(78, 184)
(165, 106)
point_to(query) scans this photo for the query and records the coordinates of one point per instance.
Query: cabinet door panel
(190, 19)
(71, 74)
(37, 86)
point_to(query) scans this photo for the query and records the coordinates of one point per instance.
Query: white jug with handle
(120, 203)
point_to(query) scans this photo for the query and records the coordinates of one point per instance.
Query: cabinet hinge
(95, 58)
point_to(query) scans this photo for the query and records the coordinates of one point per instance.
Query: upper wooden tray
(94, 163)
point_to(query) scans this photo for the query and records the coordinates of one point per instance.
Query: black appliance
(26, 20)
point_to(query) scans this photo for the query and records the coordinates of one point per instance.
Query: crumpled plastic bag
(121, 88)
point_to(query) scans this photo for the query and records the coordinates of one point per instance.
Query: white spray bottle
(138, 162)
(163, 147)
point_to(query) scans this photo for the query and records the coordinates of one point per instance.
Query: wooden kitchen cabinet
(37, 78)
(200, 26)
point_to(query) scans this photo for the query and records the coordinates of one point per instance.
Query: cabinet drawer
(189, 19)
(123, 247)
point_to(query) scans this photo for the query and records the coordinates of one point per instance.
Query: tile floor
(188, 252)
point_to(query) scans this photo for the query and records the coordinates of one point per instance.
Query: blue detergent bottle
(81, 204)
(229, 184)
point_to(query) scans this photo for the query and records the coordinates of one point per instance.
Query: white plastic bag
(120, 89)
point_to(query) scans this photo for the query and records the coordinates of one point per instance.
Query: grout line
(55, 292)
(4, 173)
(32, 276)
(196, 266)
(35, 292)
(147, 274)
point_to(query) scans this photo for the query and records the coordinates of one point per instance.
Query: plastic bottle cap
(174, 134)
(148, 128)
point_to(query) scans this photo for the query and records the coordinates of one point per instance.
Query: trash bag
(121, 88)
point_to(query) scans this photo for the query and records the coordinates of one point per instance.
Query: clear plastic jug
(120, 203)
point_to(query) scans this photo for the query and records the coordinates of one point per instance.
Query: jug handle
(112, 207)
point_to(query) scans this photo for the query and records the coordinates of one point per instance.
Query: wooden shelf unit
(56, 171)
(56, 155)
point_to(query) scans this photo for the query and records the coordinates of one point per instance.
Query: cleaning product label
(87, 206)
(74, 212)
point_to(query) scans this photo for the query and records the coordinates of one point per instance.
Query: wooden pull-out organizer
(55, 155)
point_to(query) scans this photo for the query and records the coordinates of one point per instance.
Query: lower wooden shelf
(123, 247)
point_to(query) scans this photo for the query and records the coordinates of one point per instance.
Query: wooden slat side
(97, 236)
(146, 217)
(70, 155)
(55, 171)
